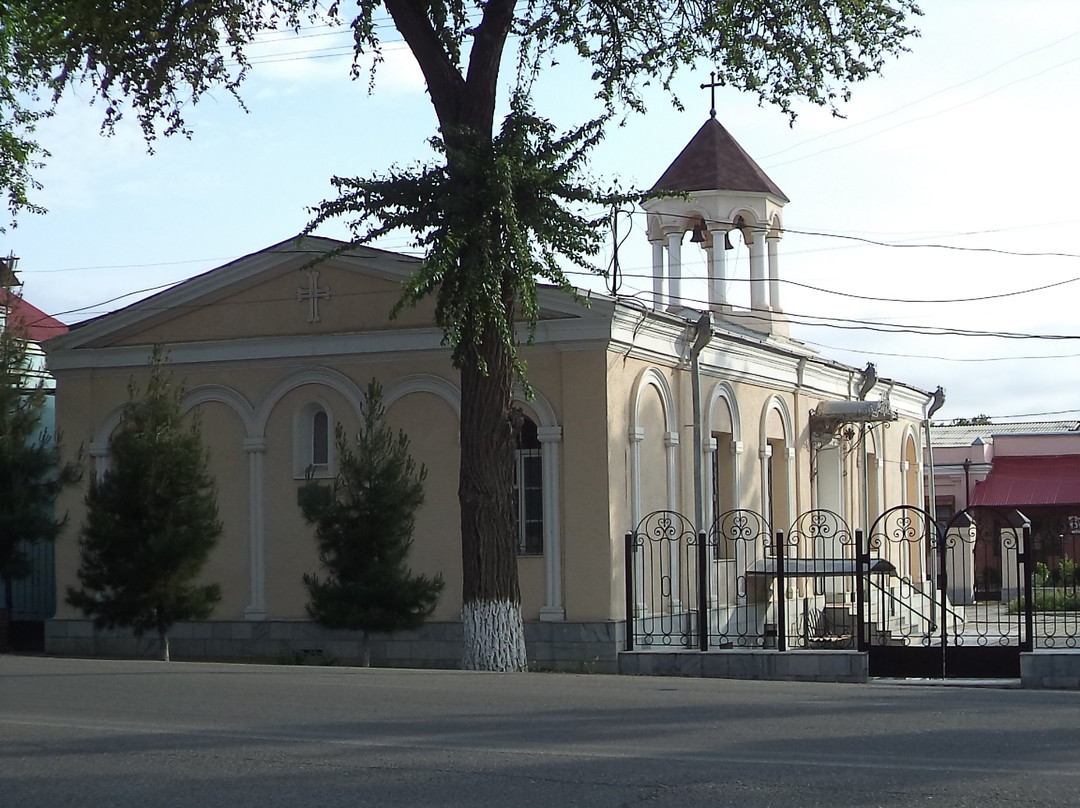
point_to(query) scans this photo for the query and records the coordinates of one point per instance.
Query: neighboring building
(1031, 468)
(26, 604)
(276, 351)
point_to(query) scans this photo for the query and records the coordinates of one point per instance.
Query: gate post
(628, 560)
(781, 597)
(1027, 643)
(862, 568)
(703, 592)
(942, 591)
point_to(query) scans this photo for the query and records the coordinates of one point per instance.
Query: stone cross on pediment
(313, 294)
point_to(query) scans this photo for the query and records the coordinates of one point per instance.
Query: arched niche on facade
(652, 455)
(723, 447)
(776, 453)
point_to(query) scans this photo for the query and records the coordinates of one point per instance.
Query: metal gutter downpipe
(702, 336)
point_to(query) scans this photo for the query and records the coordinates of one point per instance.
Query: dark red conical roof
(714, 161)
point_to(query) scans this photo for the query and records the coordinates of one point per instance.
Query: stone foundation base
(580, 647)
(1050, 669)
(798, 666)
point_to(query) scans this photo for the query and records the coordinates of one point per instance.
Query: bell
(698, 236)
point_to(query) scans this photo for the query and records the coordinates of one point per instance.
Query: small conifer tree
(152, 518)
(364, 524)
(31, 473)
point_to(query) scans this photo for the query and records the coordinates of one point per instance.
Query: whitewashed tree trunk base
(494, 637)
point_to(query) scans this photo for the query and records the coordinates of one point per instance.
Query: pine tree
(364, 524)
(31, 474)
(151, 519)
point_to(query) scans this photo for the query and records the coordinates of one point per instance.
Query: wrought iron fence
(688, 589)
(911, 582)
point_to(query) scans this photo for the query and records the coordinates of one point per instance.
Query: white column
(736, 449)
(708, 481)
(674, 255)
(718, 280)
(758, 291)
(658, 273)
(637, 435)
(256, 451)
(671, 442)
(774, 273)
(550, 437)
(766, 503)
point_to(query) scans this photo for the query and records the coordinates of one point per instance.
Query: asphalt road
(113, 733)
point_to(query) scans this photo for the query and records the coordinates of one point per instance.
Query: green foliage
(364, 524)
(1050, 599)
(978, 420)
(151, 519)
(530, 184)
(1065, 574)
(155, 57)
(31, 473)
(1041, 575)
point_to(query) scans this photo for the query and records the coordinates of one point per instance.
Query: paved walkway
(142, 734)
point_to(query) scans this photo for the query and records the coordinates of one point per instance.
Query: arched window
(529, 485)
(313, 447)
(320, 439)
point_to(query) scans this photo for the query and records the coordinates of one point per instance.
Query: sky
(943, 199)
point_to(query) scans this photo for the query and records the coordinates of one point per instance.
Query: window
(320, 439)
(313, 448)
(529, 487)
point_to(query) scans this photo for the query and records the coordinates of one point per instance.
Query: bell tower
(717, 191)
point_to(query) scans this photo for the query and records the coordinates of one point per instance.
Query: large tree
(502, 203)
(151, 519)
(363, 525)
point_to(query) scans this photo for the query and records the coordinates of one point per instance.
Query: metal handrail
(933, 625)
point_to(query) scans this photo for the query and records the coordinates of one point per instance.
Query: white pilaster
(657, 273)
(256, 451)
(774, 273)
(758, 291)
(718, 280)
(671, 442)
(550, 438)
(674, 256)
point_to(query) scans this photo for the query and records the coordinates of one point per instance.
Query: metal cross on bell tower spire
(712, 85)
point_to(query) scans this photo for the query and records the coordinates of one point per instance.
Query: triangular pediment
(313, 287)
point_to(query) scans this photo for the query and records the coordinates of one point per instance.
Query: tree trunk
(163, 640)
(491, 600)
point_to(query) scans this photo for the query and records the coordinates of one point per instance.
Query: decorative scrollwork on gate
(664, 546)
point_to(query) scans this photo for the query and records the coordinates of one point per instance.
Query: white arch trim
(317, 376)
(652, 377)
(775, 402)
(723, 391)
(423, 383)
(538, 405)
(230, 398)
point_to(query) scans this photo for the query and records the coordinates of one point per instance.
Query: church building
(639, 407)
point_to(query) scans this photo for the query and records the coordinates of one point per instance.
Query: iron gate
(958, 603)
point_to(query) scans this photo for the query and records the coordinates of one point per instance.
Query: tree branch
(445, 83)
